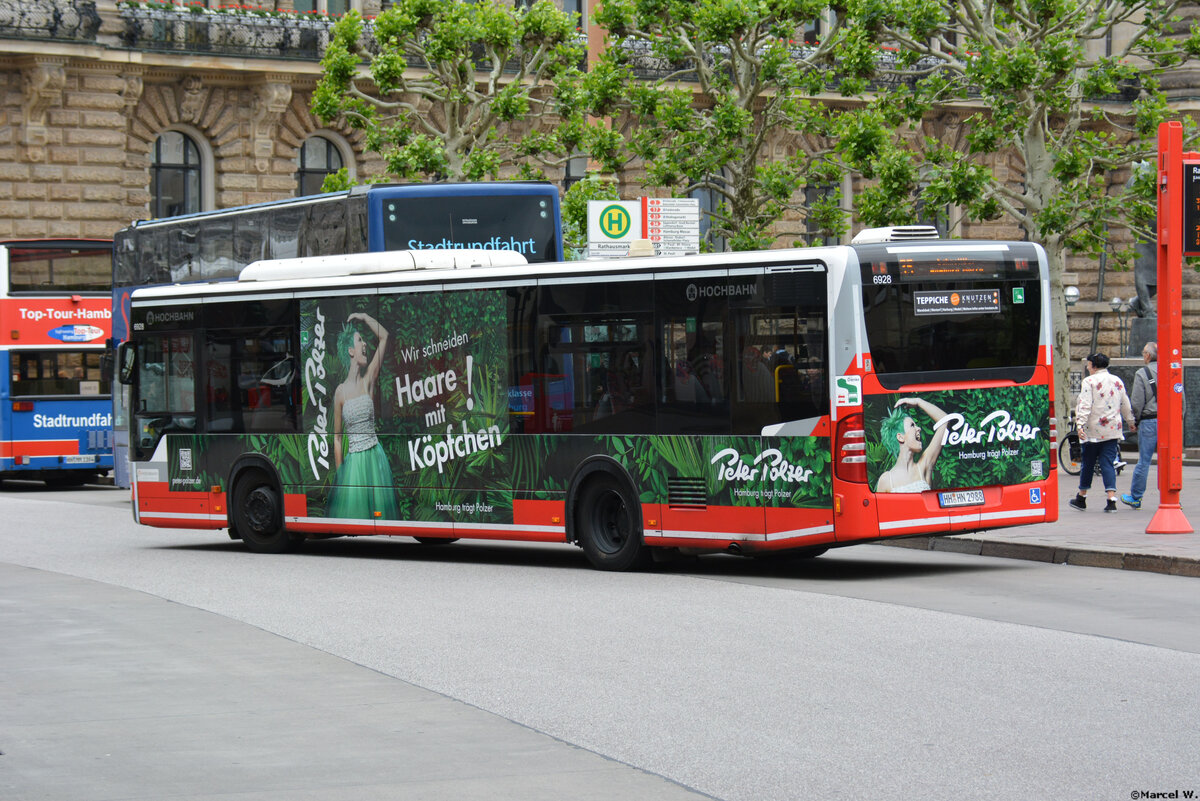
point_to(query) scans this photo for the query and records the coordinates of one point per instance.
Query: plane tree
(1021, 110)
(722, 95)
(453, 90)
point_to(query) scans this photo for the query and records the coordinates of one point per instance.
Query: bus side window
(250, 381)
(216, 249)
(152, 258)
(326, 234)
(782, 372)
(166, 374)
(287, 232)
(522, 349)
(250, 238)
(184, 245)
(694, 364)
(617, 393)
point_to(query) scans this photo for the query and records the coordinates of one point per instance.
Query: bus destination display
(921, 267)
(1191, 208)
(952, 302)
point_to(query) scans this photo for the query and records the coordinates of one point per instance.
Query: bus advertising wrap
(408, 410)
(55, 321)
(957, 438)
(424, 370)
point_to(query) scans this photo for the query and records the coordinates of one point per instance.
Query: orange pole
(1169, 517)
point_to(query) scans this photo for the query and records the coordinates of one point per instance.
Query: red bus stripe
(39, 447)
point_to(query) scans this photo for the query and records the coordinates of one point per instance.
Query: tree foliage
(730, 76)
(575, 210)
(454, 90)
(1041, 90)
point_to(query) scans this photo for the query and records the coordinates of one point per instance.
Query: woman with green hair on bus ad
(901, 436)
(363, 479)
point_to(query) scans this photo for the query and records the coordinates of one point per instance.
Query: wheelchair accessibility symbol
(1035, 496)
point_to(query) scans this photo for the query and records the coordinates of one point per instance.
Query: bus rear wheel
(258, 515)
(609, 526)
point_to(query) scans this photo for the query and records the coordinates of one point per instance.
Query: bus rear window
(59, 269)
(59, 373)
(932, 319)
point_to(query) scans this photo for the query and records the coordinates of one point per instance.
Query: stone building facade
(94, 94)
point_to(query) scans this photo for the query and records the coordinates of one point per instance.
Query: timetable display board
(1191, 208)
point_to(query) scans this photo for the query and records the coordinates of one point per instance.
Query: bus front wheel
(258, 515)
(609, 526)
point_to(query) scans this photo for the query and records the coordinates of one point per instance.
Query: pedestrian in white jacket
(1102, 407)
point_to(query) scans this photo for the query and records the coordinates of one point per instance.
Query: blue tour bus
(522, 216)
(55, 403)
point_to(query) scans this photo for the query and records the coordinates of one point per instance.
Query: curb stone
(1152, 563)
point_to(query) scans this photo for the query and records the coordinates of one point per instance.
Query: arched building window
(318, 157)
(175, 176)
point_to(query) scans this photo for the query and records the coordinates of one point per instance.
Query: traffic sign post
(613, 226)
(1178, 235)
(671, 224)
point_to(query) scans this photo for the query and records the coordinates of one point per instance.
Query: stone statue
(1145, 264)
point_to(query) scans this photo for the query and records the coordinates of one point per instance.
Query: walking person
(1098, 414)
(1144, 401)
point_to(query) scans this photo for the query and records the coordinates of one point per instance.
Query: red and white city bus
(778, 401)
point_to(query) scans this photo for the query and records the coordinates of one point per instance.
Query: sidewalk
(1093, 538)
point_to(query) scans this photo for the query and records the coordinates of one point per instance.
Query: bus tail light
(22, 406)
(850, 450)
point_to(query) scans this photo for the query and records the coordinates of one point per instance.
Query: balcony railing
(65, 20)
(183, 31)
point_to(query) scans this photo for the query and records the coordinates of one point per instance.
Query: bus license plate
(960, 498)
(83, 458)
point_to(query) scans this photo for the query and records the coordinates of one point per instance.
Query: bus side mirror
(106, 358)
(127, 359)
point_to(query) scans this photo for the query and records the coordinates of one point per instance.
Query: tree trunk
(1060, 332)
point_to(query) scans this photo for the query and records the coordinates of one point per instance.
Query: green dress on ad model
(363, 480)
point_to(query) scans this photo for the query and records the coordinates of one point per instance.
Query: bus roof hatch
(895, 233)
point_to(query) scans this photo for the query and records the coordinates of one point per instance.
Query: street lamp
(1122, 310)
(1071, 295)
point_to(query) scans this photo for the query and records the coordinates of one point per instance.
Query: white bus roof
(365, 272)
(373, 272)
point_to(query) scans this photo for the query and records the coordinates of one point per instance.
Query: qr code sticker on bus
(185, 459)
(1035, 467)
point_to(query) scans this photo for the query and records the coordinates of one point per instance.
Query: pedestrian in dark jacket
(1144, 401)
